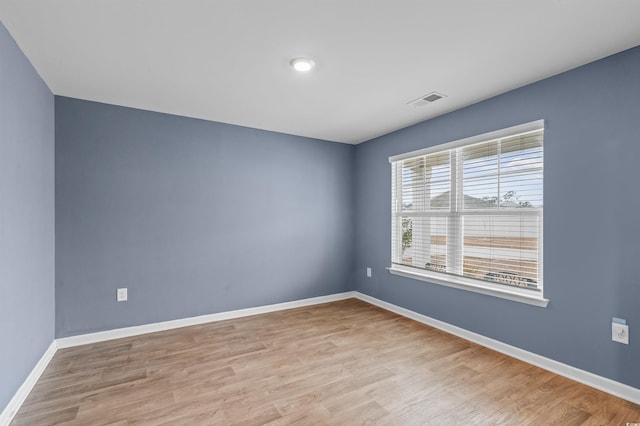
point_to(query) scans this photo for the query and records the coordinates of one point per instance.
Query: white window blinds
(472, 209)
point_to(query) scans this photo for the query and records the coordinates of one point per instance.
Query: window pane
(501, 249)
(438, 181)
(520, 161)
(424, 242)
(480, 176)
(521, 178)
(412, 183)
(481, 193)
(426, 183)
(521, 190)
(527, 142)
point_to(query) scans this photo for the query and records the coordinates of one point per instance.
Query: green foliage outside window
(407, 233)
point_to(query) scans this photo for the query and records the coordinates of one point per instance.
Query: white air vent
(426, 99)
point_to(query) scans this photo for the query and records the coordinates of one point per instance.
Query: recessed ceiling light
(302, 64)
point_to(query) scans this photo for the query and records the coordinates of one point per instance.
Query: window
(468, 214)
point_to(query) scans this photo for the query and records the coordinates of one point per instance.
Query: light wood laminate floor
(342, 363)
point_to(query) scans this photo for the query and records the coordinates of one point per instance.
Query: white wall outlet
(121, 295)
(369, 272)
(620, 333)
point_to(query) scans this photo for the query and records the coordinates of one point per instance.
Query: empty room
(308, 213)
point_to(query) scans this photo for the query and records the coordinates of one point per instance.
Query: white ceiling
(228, 60)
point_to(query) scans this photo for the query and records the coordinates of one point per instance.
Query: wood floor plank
(339, 363)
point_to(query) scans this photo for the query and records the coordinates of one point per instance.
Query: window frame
(514, 293)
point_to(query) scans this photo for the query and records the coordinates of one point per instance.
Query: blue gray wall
(592, 226)
(26, 217)
(193, 217)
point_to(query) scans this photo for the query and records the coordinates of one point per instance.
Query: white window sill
(510, 293)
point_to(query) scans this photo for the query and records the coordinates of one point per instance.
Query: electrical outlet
(620, 333)
(369, 272)
(121, 295)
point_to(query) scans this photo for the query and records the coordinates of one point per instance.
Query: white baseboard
(21, 395)
(101, 336)
(602, 383)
